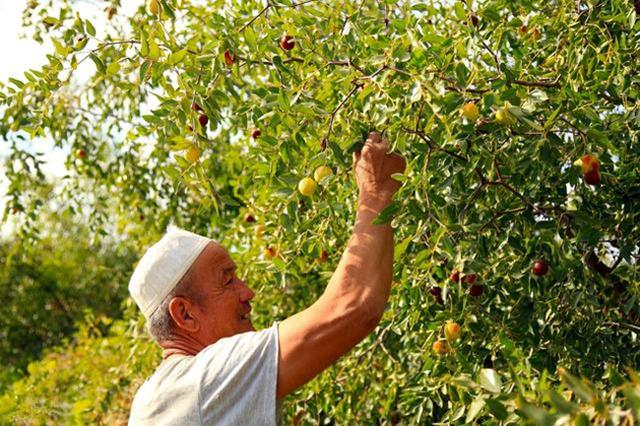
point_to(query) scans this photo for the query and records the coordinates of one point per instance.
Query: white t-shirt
(232, 382)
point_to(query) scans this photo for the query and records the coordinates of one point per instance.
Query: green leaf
(250, 37)
(283, 100)
(144, 45)
(399, 249)
(387, 214)
(19, 84)
(60, 49)
(539, 416)
(166, 8)
(474, 409)
(98, 62)
(552, 118)
(177, 57)
(49, 20)
(490, 380)
(90, 28)
(113, 68)
(497, 409)
(143, 70)
(632, 393)
(277, 61)
(562, 405)
(581, 389)
(154, 50)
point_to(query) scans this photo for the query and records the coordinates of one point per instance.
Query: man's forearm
(363, 276)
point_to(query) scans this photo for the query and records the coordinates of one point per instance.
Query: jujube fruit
(452, 331)
(540, 268)
(441, 347)
(307, 186)
(287, 42)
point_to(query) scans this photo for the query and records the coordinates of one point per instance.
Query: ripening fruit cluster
(203, 118)
(452, 333)
(307, 186)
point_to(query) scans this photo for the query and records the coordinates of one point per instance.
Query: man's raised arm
(355, 298)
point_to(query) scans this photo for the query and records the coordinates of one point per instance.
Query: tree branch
(537, 83)
(244, 27)
(431, 145)
(325, 141)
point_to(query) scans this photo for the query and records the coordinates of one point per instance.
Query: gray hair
(161, 325)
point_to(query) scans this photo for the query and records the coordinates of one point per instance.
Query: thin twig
(464, 89)
(335, 111)
(375, 74)
(265, 62)
(348, 63)
(623, 325)
(522, 197)
(244, 27)
(493, 54)
(107, 44)
(430, 143)
(537, 83)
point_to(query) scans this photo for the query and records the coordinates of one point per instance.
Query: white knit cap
(162, 267)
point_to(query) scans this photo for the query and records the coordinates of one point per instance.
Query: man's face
(223, 307)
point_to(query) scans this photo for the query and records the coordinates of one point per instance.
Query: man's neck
(181, 345)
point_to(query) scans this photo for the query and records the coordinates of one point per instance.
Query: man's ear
(181, 310)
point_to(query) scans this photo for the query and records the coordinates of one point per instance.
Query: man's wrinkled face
(223, 306)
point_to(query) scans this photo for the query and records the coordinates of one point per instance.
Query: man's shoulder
(239, 345)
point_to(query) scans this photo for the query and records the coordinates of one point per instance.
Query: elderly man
(216, 368)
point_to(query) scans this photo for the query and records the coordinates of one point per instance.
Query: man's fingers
(356, 156)
(374, 137)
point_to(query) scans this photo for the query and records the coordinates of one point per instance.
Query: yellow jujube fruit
(451, 331)
(322, 172)
(505, 118)
(441, 347)
(307, 186)
(193, 154)
(470, 112)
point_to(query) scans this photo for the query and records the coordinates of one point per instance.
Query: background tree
(49, 287)
(518, 217)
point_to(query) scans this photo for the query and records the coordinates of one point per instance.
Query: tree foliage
(552, 81)
(48, 287)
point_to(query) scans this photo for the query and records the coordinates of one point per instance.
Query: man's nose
(246, 293)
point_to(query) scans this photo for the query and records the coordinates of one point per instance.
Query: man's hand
(373, 168)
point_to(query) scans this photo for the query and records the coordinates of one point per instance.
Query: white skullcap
(162, 267)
